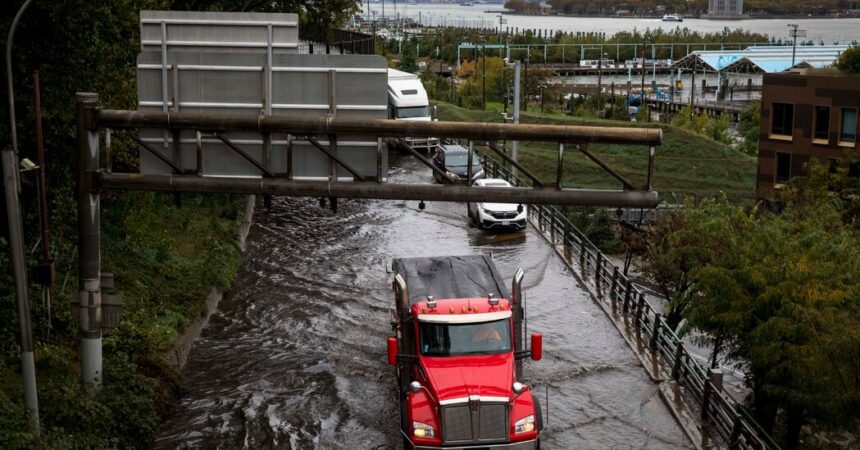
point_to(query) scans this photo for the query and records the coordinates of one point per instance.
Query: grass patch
(686, 164)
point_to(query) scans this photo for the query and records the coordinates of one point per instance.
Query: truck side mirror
(537, 346)
(392, 350)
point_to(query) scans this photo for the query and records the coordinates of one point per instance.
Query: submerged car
(453, 159)
(497, 215)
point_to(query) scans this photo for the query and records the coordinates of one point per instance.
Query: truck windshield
(447, 339)
(413, 111)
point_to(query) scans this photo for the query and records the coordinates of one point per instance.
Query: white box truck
(407, 100)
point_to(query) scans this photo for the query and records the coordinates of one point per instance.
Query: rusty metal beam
(428, 163)
(155, 152)
(334, 157)
(627, 184)
(244, 154)
(121, 119)
(384, 191)
(535, 180)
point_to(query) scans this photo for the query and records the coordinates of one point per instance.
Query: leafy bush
(748, 127)
(715, 128)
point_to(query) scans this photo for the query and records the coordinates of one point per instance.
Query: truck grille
(475, 423)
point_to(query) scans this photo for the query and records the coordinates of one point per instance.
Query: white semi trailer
(407, 100)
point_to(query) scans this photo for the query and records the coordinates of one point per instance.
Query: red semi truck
(458, 354)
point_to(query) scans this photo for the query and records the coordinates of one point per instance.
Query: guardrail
(727, 417)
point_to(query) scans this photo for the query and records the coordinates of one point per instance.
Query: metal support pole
(469, 160)
(19, 269)
(640, 306)
(627, 288)
(11, 185)
(515, 144)
(734, 437)
(597, 267)
(582, 255)
(560, 169)
(613, 291)
(89, 244)
(655, 333)
(676, 367)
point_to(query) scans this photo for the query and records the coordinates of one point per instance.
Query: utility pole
(483, 77)
(642, 91)
(451, 71)
(795, 33)
(599, 80)
(526, 82)
(12, 186)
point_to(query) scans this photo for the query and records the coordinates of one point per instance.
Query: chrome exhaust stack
(517, 300)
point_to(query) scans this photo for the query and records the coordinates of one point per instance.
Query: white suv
(496, 215)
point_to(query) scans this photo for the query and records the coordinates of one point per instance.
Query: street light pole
(12, 184)
(795, 33)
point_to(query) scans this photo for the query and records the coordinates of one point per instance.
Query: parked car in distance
(496, 215)
(453, 159)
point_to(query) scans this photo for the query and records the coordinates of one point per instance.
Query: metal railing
(611, 287)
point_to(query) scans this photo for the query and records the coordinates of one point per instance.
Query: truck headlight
(422, 430)
(524, 425)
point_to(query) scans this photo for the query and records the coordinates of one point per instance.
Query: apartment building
(805, 114)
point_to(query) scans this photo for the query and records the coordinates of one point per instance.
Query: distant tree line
(441, 44)
(693, 7)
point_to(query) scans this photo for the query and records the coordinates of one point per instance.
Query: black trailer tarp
(450, 277)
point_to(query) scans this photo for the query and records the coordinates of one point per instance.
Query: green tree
(777, 294)
(407, 59)
(849, 60)
(317, 17)
(748, 127)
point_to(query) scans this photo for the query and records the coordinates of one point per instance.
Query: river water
(295, 357)
(487, 16)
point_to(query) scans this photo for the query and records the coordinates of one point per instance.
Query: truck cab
(459, 356)
(407, 100)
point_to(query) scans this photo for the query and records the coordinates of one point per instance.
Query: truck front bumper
(526, 445)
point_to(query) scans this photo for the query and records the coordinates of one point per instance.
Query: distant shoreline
(738, 19)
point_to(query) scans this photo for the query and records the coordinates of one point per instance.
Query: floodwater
(487, 16)
(295, 357)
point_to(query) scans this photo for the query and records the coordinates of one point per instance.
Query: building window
(848, 132)
(822, 122)
(783, 167)
(783, 118)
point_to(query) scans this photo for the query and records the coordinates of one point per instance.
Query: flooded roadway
(295, 357)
